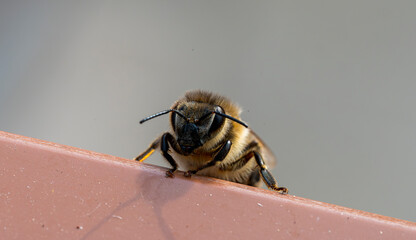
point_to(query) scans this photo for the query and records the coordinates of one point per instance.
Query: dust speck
(115, 216)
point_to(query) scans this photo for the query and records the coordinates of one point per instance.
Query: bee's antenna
(162, 113)
(231, 118)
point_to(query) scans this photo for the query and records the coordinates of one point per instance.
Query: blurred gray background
(329, 85)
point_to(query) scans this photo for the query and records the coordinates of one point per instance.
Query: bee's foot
(189, 173)
(170, 174)
(282, 190)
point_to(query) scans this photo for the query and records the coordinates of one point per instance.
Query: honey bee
(208, 138)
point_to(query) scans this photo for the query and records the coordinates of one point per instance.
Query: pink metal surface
(51, 191)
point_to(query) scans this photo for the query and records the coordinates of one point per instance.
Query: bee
(208, 138)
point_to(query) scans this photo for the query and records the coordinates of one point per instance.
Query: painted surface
(51, 191)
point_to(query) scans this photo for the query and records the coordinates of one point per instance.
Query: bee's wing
(267, 154)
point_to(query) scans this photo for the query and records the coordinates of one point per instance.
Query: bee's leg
(148, 151)
(267, 176)
(164, 146)
(221, 154)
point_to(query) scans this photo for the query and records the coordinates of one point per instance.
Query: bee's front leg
(221, 154)
(164, 147)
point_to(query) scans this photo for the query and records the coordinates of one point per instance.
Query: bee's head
(194, 123)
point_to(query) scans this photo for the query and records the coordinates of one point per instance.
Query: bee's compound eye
(218, 120)
(173, 120)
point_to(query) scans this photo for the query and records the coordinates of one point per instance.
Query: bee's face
(197, 125)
